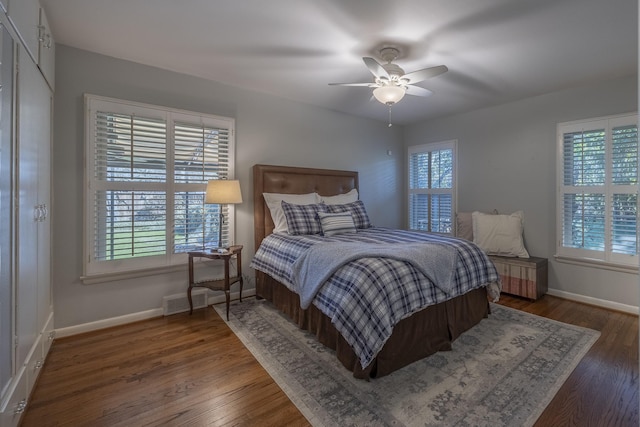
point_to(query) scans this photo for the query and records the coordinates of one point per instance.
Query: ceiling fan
(391, 83)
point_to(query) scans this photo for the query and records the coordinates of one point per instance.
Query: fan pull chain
(390, 115)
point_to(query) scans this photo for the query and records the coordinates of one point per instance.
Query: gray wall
(507, 161)
(269, 130)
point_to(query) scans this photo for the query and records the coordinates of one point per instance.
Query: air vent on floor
(179, 303)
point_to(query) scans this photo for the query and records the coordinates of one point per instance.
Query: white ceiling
(496, 50)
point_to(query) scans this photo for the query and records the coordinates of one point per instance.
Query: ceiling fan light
(389, 95)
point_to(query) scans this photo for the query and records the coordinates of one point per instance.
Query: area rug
(502, 372)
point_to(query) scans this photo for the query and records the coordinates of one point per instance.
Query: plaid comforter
(366, 298)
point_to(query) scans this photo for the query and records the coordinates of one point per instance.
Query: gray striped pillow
(336, 223)
(360, 217)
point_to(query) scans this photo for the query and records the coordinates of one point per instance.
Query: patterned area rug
(502, 372)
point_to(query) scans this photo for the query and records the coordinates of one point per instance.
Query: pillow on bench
(499, 234)
(464, 225)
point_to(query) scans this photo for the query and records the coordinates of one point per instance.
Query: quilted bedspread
(367, 297)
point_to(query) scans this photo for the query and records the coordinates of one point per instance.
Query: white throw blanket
(309, 272)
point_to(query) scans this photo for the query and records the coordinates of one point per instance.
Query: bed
(421, 333)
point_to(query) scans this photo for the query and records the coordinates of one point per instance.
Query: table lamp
(222, 192)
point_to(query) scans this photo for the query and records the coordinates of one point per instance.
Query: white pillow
(499, 234)
(341, 199)
(464, 225)
(274, 202)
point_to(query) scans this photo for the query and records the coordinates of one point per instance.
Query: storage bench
(525, 277)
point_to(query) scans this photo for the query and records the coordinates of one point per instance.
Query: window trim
(137, 267)
(606, 259)
(428, 147)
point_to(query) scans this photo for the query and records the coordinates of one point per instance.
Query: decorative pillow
(341, 199)
(464, 225)
(357, 210)
(336, 223)
(500, 234)
(303, 219)
(274, 201)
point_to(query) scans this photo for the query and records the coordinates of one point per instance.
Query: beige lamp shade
(223, 191)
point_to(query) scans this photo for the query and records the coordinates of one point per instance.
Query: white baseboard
(625, 308)
(107, 323)
(157, 312)
(134, 317)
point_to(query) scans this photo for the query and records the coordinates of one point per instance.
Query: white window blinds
(598, 192)
(147, 169)
(432, 187)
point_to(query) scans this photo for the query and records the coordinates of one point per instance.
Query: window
(432, 187)
(146, 173)
(598, 193)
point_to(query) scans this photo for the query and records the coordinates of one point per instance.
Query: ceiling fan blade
(375, 68)
(426, 73)
(354, 84)
(418, 91)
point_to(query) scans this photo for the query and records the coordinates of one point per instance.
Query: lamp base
(220, 222)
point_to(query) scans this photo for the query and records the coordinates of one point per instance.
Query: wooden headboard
(293, 180)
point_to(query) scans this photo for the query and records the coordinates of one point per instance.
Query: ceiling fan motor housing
(393, 69)
(390, 54)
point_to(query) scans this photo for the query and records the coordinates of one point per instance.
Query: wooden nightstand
(525, 277)
(219, 284)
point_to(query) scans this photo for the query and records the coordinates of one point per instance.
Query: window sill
(594, 263)
(132, 274)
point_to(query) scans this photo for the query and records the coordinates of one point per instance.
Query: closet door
(25, 16)
(29, 213)
(43, 136)
(6, 209)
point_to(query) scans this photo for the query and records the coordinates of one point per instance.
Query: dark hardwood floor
(192, 370)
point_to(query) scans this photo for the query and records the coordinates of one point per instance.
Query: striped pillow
(356, 209)
(336, 223)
